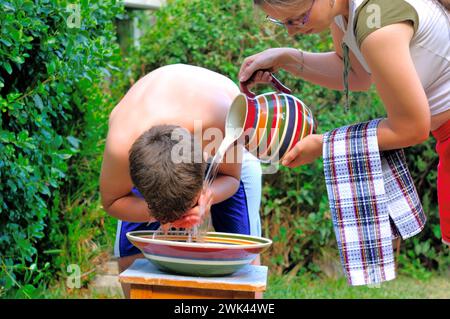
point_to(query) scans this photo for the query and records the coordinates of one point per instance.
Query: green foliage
(212, 34)
(51, 77)
(218, 35)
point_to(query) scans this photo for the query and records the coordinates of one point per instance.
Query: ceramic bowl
(220, 254)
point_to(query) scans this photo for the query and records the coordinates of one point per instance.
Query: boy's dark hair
(169, 186)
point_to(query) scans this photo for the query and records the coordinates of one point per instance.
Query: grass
(403, 287)
(60, 291)
(307, 287)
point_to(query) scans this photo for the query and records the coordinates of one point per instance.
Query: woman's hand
(305, 151)
(195, 215)
(270, 59)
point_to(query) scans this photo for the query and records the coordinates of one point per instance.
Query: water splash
(200, 230)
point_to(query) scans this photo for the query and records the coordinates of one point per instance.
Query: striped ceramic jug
(271, 123)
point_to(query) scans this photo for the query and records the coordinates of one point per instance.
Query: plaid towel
(372, 200)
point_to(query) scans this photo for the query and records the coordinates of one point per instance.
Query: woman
(401, 46)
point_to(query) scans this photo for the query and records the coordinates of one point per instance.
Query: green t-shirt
(390, 12)
(372, 15)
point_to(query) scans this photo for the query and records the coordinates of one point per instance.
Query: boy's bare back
(175, 94)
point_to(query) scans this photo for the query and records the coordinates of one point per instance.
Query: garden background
(59, 79)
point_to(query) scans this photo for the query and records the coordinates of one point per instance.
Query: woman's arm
(323, 69)
(408, 123)
(408, 113)
(326, 69)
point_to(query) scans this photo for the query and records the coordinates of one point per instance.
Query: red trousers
(442, 135)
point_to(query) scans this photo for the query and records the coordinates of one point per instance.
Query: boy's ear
(196, 199)
(205, 157)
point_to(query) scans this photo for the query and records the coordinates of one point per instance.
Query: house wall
(144, 4)
(138, 13)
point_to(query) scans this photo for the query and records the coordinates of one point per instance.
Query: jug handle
(275, 83)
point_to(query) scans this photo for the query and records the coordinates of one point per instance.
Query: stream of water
(200, 230)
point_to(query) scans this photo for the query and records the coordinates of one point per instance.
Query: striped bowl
(271, 123)
(220, 254)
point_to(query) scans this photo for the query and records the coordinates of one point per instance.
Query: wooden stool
(148, 282)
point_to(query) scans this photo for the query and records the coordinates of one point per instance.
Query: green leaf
(5, 42)
(53, 251)
(7, 67)
(18, 59)
(27, 291)
(51, 67)
(8, 7)
(74, 141)
(38, 101)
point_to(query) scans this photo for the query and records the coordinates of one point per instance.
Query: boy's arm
(228, 177)
(116, 185)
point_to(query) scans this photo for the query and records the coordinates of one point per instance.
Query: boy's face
(196, 198)
(182, 221)
(152, 171)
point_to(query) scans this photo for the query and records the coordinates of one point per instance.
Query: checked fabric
(372, 200)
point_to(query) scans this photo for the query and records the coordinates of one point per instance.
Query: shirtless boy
(141, 185)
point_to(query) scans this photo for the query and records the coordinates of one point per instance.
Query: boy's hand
(195, 215)
(305, 151)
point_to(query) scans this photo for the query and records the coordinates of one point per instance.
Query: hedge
(54, 57)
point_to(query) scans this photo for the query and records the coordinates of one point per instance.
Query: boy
(143, 130)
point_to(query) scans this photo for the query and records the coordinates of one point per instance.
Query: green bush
(218, 35)
(51, 88)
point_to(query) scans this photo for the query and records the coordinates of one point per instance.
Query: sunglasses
(301, 21)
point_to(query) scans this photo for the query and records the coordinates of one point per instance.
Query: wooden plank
(250, 278)
(141, 292)
(245, 295)
(164, 292)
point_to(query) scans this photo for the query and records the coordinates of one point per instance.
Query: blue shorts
(230, 216)
(238, 214)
